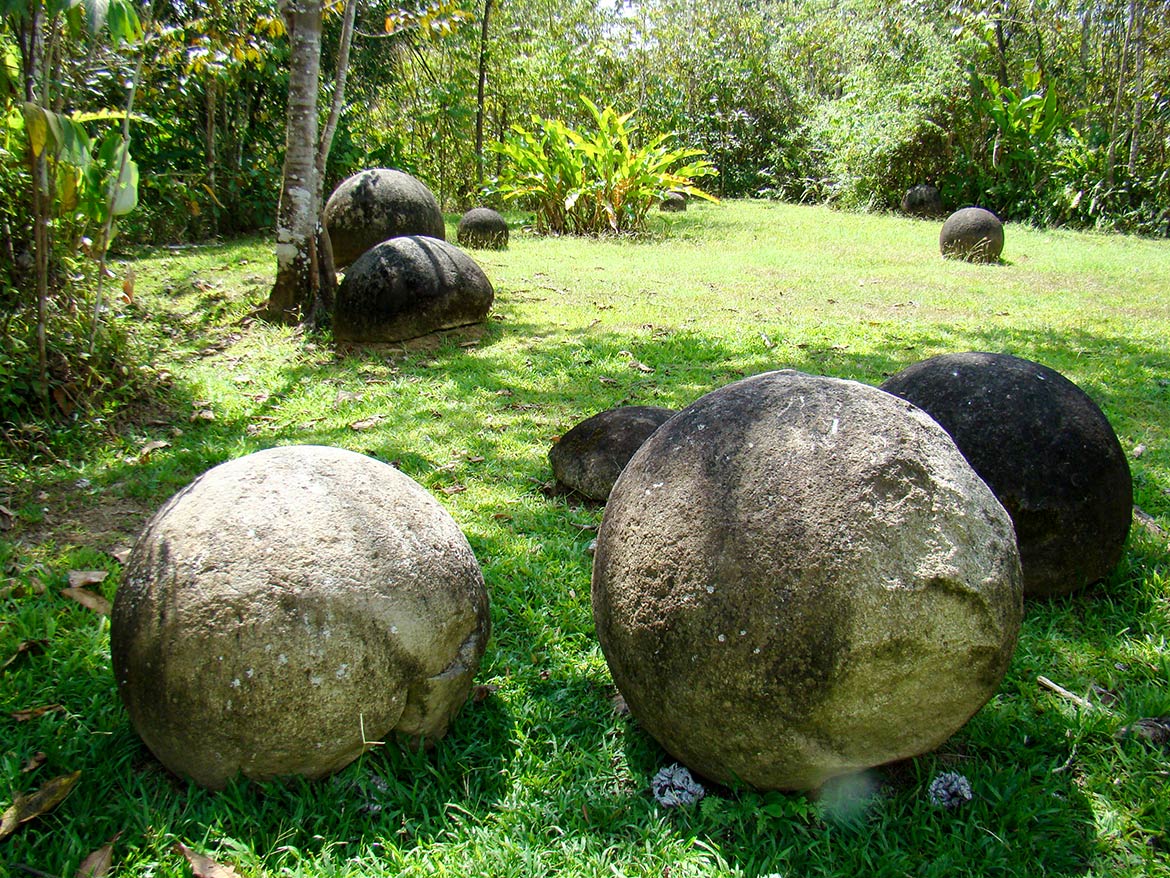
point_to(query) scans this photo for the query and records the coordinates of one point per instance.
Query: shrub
(590, 182)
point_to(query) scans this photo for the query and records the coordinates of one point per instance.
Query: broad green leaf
(96, 13)
(36, 123)
(126, 191)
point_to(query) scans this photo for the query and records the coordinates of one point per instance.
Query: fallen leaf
(23, 716)
(34, 762)
(6, 517)
(26, 807)
(476, 459)
(97, 864)
(35, 586)
(203, 866)
(121, 554)
(89, 600)
(483, 692)
(203, 415)
(82, 578)
(620, 708)
(28, 647)
(1138, 451)
(1156, 730)
(641, 367)
(366, 423)
(150, 447)
(501, 516)
(128, 287)
(606, 380)
(453, 489)
(346, 396)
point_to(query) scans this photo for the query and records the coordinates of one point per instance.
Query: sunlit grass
(543, 776)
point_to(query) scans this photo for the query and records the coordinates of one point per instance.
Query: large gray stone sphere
(973, 234)
(799, 577)
(673, 202)
(482, 228)
(1045, 449)
(375, 205)
(922, 200)
(589, 458)
(290, 606)
(408, 287)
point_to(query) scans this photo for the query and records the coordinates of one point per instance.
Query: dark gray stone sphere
(800, 577)
(589, 458)
(408, 287)
(375, 205)
(290, 606)
(673, 202)
(482, 228)
(1048, 453)
(922, 200)
(972, 233)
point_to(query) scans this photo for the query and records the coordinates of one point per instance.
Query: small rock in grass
(673, 786)
(950, 790)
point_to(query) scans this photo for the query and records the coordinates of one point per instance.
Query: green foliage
(539, 774)
(595, 181)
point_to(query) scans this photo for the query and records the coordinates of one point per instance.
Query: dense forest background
(1049, 111)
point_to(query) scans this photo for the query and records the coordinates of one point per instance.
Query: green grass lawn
(543, 775)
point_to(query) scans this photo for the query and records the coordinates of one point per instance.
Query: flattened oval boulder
(973, 234)
(408, 287)
(800, 577)
(289, 606)
(589, 458)
(1047, 451)
(482, 228)
(375, 205)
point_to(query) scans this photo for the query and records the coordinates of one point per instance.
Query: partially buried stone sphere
(1047, 451)
(973, 234)
(290, 606)
(408, 287)
(378, 204)
(590, 457)
(482, 228)
(673, 202)
(800, 577)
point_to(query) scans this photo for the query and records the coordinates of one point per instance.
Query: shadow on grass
(552, 714)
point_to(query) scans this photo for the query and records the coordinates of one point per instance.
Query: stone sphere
(972, 233)
(375, 205)
(799, 577)
(590, 457)
(408, 287)
(290, 606)
(673, 202)
(922, 200)
(1045, 449)
(482, 228)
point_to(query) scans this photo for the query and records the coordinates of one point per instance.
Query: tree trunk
(479, 93)
(297, 284)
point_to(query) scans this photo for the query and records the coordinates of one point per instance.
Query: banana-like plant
(601, 180)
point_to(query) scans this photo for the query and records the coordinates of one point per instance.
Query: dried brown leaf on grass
(34, 762)
(97, 864)
(89, 600)
(26, 807)
(28, 647)
(203, 866)
(82, 578)
(23, 716)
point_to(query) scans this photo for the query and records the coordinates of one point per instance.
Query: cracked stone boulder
(922, 200)
(375, 205)
(289, 607)
(1047, 451)
(408, 287)
(973, 234)
(483, 229)
(589, 458)
(800, 577)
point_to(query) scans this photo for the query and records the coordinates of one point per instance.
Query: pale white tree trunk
(297, 218)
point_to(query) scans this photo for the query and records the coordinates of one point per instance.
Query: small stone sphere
(800, 577)
(973, 234)
(1045, 449)
(289, 607)
(409, 287)
(590, 457)
(673, 202)
(483, 229)
(375, 205)
(922, 200)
